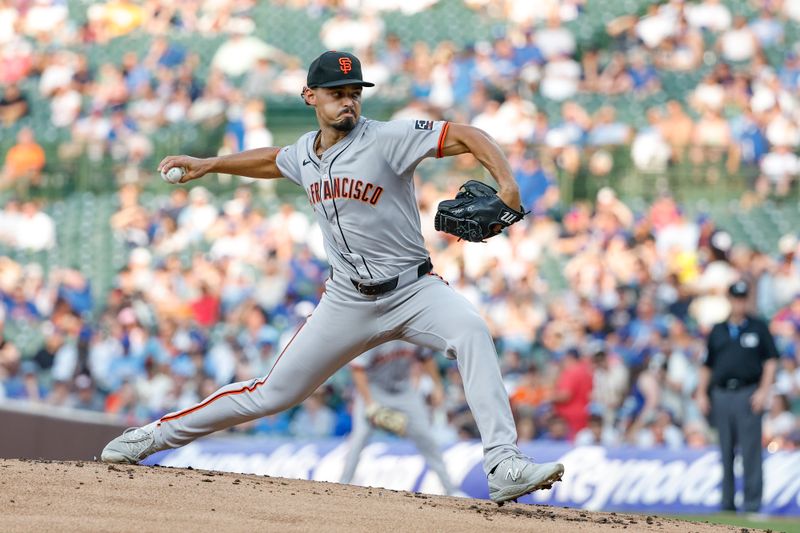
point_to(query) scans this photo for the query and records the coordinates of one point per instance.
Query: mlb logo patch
(749, 340)
(423, 124)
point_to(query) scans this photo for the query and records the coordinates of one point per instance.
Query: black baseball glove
(476, 213)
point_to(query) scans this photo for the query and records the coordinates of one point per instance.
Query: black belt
(364, 287)
(735, 384)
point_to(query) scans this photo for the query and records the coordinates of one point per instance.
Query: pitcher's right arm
(259, 163)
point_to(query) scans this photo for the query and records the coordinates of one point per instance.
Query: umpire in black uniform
(737, 376)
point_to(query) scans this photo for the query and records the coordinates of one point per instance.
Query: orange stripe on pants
(251, 388)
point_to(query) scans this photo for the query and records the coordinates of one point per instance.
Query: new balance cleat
(132, 446)
(517, 476)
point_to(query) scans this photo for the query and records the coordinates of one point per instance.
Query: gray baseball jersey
(362, 192)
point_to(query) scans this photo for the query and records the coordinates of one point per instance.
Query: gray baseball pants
(738, 424)
(345, 324)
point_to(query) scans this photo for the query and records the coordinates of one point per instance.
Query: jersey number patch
(423, 124)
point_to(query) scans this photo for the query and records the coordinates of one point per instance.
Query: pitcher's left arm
(462, 138)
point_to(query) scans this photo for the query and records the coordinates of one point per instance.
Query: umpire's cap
(334, 69)
(739, 289)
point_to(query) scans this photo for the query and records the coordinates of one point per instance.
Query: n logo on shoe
(513, 475)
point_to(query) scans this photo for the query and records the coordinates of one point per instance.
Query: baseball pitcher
(358, 176)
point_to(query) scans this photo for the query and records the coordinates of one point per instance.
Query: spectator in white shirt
(778, 169)
(787, 379)
(36, 229)
(738, 43)
(555, 40)
(708, 94)
(649, 151)
(656, 26)
(44, 17)
(345, 32)
(660, 432)
(781, 131)
(495, 124)
(597, 434)
(199, 215)
(791, 8)
(520, 115)
(314, 419)
(240, 53)
(256, 134)
(561, 78)
(375, 71)
(58, 73)
(9, 17)
(65, 107)
(291, 78)
(710, 14)
(779, 422)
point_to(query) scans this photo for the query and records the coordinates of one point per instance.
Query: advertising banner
(597, 478)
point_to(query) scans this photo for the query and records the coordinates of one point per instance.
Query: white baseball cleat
(132, 446)
(518, 476)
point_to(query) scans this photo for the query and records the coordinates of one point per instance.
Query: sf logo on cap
(345, 65)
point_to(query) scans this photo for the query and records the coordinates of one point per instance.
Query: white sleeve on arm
(289, 164)
(407, 142)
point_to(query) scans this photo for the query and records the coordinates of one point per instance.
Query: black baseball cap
(739, 289)
(334, 69)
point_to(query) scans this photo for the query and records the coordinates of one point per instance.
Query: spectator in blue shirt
(534, 184)
(607, 130)
(528, 53)
(750, 141)
(643, 75)
(76, 290)
(789, 73)
(167, 54)
(313, 419)
(277, 424)
(767, 29)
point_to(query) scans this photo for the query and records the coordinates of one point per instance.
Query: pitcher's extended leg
(322, 345)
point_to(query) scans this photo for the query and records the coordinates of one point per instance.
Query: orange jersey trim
(435, 275)
(440, 144)
(244, 389)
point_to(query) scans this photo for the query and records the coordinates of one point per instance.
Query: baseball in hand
(173, 175)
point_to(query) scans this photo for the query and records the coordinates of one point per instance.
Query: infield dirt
(88, 496)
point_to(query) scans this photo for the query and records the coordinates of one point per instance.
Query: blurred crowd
(213, 290)
(741, 114)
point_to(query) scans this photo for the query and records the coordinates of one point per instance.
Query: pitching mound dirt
(75, 496)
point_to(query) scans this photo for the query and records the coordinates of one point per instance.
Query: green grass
(773, 523)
